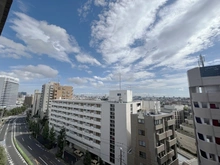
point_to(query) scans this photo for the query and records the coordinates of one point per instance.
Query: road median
(23, 154)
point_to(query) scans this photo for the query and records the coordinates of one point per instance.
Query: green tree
(61, 139)
(3, 159)
(87, 158)
(52, 138)
(45, 132)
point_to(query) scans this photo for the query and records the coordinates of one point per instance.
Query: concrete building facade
(101, 127)
(153, 140)
(204, 89)
(5, 6)
(186, 136)
(8, 91)
(28, 101)
(52, 91)
(36, 103)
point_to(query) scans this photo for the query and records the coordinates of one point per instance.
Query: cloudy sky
(90, 44)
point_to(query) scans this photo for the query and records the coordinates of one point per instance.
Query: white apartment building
(46, 98)
(102, 127)
(177, 111)
(204, 89)
(186, 136)
(36, 103)
(8, 91)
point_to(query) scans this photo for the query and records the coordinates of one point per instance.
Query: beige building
(62, 92)
(5, 6)
(153, 140)
(204, 89)
(186, 136)
(36, 103)
(28, 101)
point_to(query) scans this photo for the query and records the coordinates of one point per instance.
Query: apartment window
(209, 138)
(141, 121)
(216, 123)
(142, 154)
(204, 105)
(198, 120)
(196, 104)
(212, 157)
(203, 153)
(206, 121)
(118, 94)
(217, 140)
(201, 137)
(141, 132)
(214, 106)
(142, 143)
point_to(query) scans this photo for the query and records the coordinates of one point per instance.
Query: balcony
(170, 154)
(170, 122)
(160, 148)
(158, 126)
(171, 142)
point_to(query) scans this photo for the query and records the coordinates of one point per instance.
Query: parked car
(94, 162)
(78, 153)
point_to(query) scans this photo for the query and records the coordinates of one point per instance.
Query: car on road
(78, 153)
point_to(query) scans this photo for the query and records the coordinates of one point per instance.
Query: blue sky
(88, 44)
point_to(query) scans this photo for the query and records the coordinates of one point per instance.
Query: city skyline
(91, 44)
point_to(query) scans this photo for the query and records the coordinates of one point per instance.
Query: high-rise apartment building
(52, 91)
(186, 137)
(28, 101)
(101, 127)
(153, 140)
(5, 6)
(8, 91)
(204, 88)
(36, 103)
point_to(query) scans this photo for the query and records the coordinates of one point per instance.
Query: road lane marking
(51, 162)
(30, 148)
(23, 139)
(43, 160)
(45, 157)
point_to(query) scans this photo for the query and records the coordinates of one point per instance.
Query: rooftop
(209, 71)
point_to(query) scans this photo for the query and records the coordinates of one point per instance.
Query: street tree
(61, 139)
(52, 138)
(45, 132)
(87, 158)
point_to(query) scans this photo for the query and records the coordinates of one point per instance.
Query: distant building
(22, 94)
(28, 101)
(153, 140)
(36, 103)
(177, 111)
(52, 91)
(186, 136)
(8, 91)
(204, 89)
(5, 6)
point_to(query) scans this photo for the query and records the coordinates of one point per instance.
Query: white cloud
(9, 48)
(84, 10)
(100, 2)
(78, 80)
(150, 34)
(23, 7)
(83, 58)
(31, 72)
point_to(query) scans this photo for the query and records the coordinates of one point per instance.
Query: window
(141, 132)
(203, 154)
(201, 136)
(209, 138)
(118, 94)
(217, 140)
(196, 104)
(142, 154)
(142, 143)
(141, 121)
(212, 157)
(206, 121)
(198, 120)
(204, 105)
(215, 123)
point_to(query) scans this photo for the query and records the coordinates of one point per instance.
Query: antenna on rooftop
(201, 60)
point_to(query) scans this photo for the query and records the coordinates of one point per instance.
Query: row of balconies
(167, 124)
(77, 106)
(166, 157)
(170, 143)
(164, 135)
